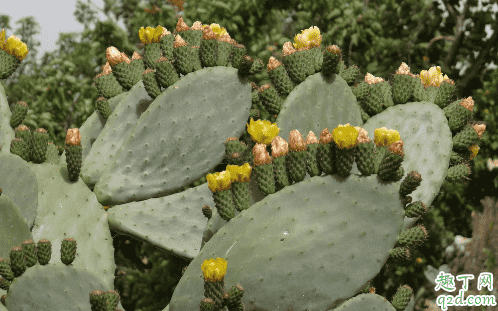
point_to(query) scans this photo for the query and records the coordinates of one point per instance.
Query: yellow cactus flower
(240, 173)
(314, 37)
(214, 270)
(2, 39)
(345, 136)
(301, 41)
(150, 35)
(219, 181)
(262, 131)
(475, 150)
(309, 37)
(432, 77)
(385, 137)
(219, 31)
(14, 46)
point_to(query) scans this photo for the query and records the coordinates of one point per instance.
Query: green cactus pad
(366, 302)
(337, 235)
(317, 103)
(174, 223)
(6, 131)
(13, 226)
(172, 142)
(52, 154)
(67, 288)
(119, 124)
(95, 123)
(75, 214)
(427, 144)
(20, 184)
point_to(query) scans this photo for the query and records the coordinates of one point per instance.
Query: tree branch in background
(436, 39)
(459, 35)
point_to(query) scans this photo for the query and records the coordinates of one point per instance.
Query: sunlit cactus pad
(19, 182)
(428, 142)
(174, 223)
(6, 131)
(317, 103)
(179, 138)
(92, 127)
(119, 124)
(366, 302)
(75, 213)
(13, 226)
(53, 287)
(315, 236)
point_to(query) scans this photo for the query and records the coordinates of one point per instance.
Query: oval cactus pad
(317, 237)
(427, 143)
(318, 102)
(179, 138)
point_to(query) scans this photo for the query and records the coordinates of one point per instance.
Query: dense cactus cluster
(304, 223)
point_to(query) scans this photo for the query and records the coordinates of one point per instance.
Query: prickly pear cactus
(168, 117)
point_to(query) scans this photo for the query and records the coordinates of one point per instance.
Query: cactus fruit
(44, 251)
(263, 169)
(68, 251)
(297, 157)
(17, 261)
(106, 83)
(39, 145)
(410, 183)
(312, 146)
(6, 270)
(415, 209)
(21, 148)
(400, 253)
(112, 298)
(19, 113)
(98, 300)
(29, 250)
(220, 185)
(280, 151)
(413, 235)
(5, 284)
(240, 178)
(402, 297)
(73, 153)
(207, 304)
